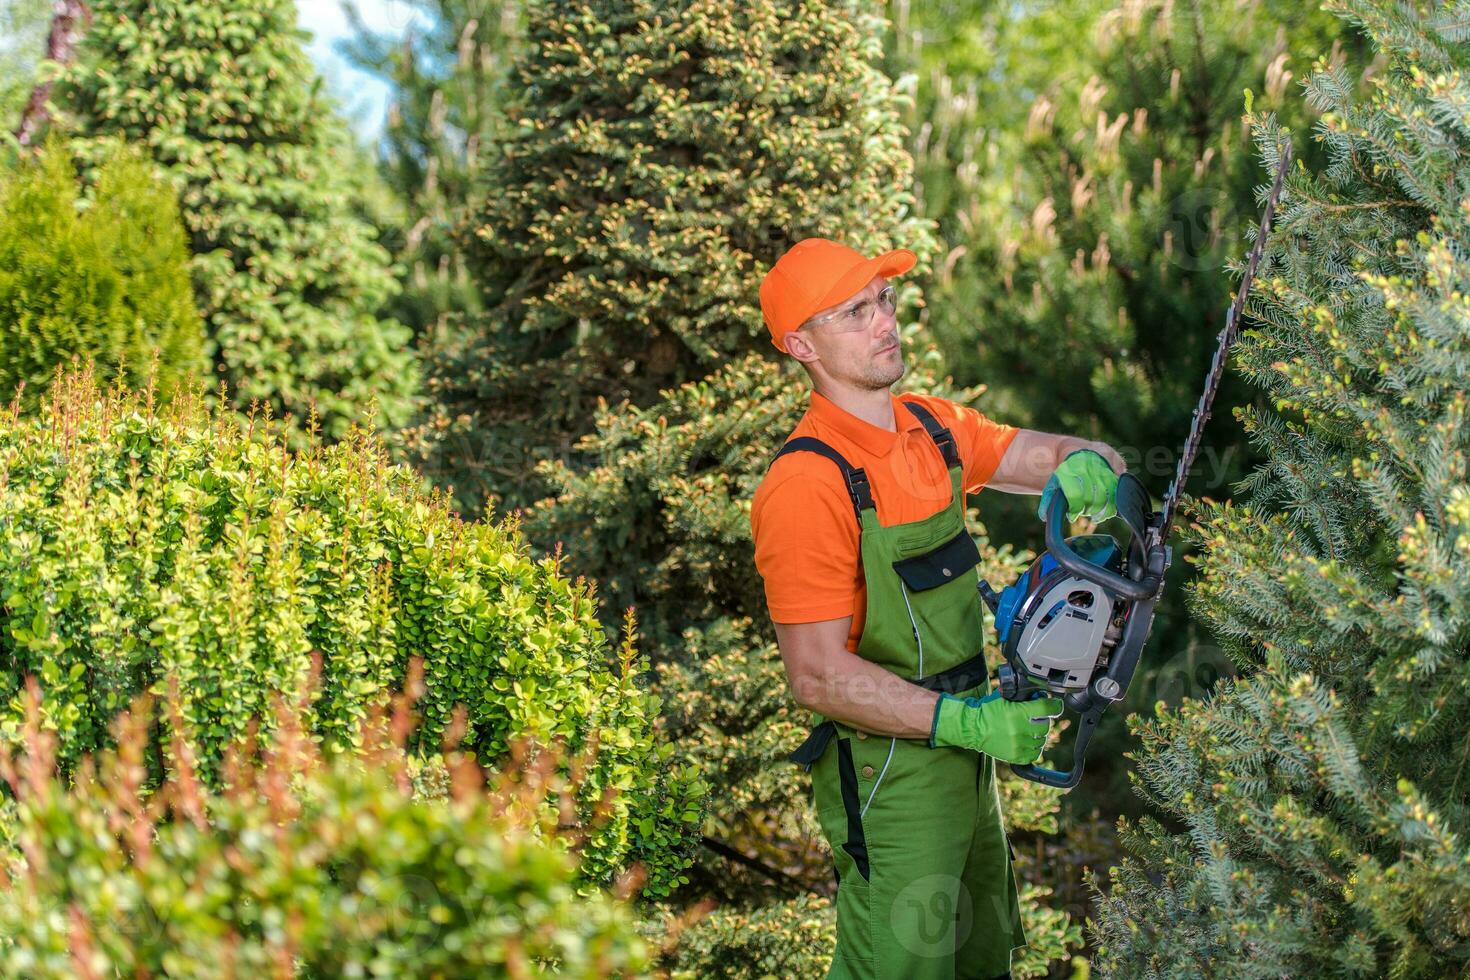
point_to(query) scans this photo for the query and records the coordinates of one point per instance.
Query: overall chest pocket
(939, 565)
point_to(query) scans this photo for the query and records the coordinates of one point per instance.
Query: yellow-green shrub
(142, 544)
(105, 276)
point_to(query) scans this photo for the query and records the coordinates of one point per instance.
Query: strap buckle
(948, 448)
(859, 490)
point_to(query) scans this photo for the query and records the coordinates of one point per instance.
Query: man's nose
(883, 322)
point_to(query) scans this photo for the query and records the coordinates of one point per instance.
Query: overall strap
(941, 436)
(856, 479)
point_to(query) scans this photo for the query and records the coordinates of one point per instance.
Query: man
(871, 584)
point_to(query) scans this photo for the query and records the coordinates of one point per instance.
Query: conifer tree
(1322, 798)
(288, 279)
(658, 157)
(1090, 175)
(447, 72)
(1091, 284)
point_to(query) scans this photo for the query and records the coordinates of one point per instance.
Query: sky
(363, 98)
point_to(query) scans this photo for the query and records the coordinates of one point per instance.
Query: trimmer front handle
(1056, 543)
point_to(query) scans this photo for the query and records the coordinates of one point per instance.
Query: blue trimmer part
(1099, 549)
(1012, 595)
(1005, 611)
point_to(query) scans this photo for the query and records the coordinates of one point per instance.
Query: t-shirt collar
(873, 440)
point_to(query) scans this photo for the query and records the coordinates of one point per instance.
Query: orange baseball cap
(816, 273)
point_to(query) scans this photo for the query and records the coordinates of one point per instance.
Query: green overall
(924, 881)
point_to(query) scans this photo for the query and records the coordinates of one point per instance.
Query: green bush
(1311, 817)
(105, 278)
(289, 279)
(792, 939)
(140, 545)
(305, 864)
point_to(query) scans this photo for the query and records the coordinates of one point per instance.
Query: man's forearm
(863, 695)
(1033, 457)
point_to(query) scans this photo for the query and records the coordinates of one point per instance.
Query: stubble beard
(880, 376)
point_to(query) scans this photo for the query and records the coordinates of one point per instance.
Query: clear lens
(861, 315)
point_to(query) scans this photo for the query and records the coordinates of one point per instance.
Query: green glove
(1011, 731)
(1089, 484)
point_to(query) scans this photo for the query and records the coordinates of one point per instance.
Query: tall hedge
(301, 864)
(289, 279)
(100, 275)
(1091, 177)
(143, 545)
(1317, 808)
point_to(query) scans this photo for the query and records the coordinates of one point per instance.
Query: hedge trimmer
(1074, 624)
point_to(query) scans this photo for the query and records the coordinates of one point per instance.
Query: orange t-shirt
(802, 519)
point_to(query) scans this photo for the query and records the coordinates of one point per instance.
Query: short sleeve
(982, 441)
(806, 548)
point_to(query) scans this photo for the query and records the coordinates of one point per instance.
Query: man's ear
(799, 347)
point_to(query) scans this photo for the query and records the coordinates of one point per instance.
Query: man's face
(863, 356)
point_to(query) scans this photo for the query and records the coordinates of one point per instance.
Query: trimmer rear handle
(1086, 726)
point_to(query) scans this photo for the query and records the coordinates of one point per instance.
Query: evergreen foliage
(288, 279)
(1090, 176)
(964, 54)
(1321, 795)
(448, 75)
(1093, 240)
(302, 863)
(105, 279)
(141, 547)
(657, 157)
(664, 525)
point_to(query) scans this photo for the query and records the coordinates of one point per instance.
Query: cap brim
(894, 263)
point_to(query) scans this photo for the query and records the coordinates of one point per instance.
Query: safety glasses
(859, 315)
